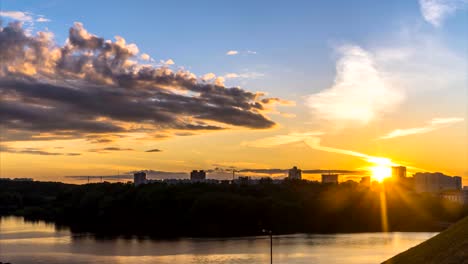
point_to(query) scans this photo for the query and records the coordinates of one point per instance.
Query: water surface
(27, 243)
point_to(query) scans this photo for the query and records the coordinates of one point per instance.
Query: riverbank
(448, 247)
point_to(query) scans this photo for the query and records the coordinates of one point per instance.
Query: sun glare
(382, 168)
(380, 172)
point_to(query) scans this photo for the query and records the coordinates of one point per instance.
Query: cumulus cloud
(102, 89)
(434, 124)
(360, 92)
(169, 62)
(145, 57)
(209, 76)
(232, 52)
(435, 11)
(372, 82)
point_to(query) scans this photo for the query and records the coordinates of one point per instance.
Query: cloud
(169, 62)
(154, 150)
(145, 57)
(109, 149)
(236, 52)
(231, 75)
(42, 19)
(435, 11)
(232, 52)
(360, 92)
(370, 83)
(103, 89)
(434, 124)
(34, 151)
(313, 140)
(245, 75)
(26, 17)
(281, 139)
(17, 15)
(209, 76)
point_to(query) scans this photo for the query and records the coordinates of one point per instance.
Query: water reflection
(25, 242)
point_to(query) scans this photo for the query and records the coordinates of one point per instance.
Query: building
(139, 178)
(295, 174)
(243, 180)
(365, 181)
(330, 178)
(456, 196)
(398, 172)
(198, 175)
(436, 182)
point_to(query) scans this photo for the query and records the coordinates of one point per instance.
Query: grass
(448, 247)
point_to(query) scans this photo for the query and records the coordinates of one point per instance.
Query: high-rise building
(398, 172)
(330, 178)
(435, 182)
(366, 181)
(198, 175)
(295, 174)
(139, 178)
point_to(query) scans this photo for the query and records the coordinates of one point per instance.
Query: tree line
(214, 210)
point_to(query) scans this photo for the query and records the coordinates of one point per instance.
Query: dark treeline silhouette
(202, 209)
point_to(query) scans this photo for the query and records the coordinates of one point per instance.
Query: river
(23, 242)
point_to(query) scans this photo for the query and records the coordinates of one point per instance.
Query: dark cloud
(109, 149)
(91, 85)
(34, 151)
(154, 150)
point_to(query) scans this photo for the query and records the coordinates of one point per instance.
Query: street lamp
(270, 233)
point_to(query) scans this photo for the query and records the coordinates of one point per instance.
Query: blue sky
(292, 38)
(362, 77)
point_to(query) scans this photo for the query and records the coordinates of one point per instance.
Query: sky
(95, 88)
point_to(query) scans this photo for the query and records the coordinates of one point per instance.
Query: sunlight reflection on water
(26, 243)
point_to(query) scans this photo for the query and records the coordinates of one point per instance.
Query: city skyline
(306, 84)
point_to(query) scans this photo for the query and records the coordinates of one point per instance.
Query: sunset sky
(98, 88)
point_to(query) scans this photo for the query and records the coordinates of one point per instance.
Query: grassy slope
(449, 247)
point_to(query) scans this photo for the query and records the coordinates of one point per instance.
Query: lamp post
(270, 233)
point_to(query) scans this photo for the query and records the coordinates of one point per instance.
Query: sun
(382, 168)
(380, 172)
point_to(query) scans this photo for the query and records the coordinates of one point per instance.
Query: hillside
(449, 247)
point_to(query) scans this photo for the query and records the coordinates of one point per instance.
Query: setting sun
(380, 172)
(382, 168)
